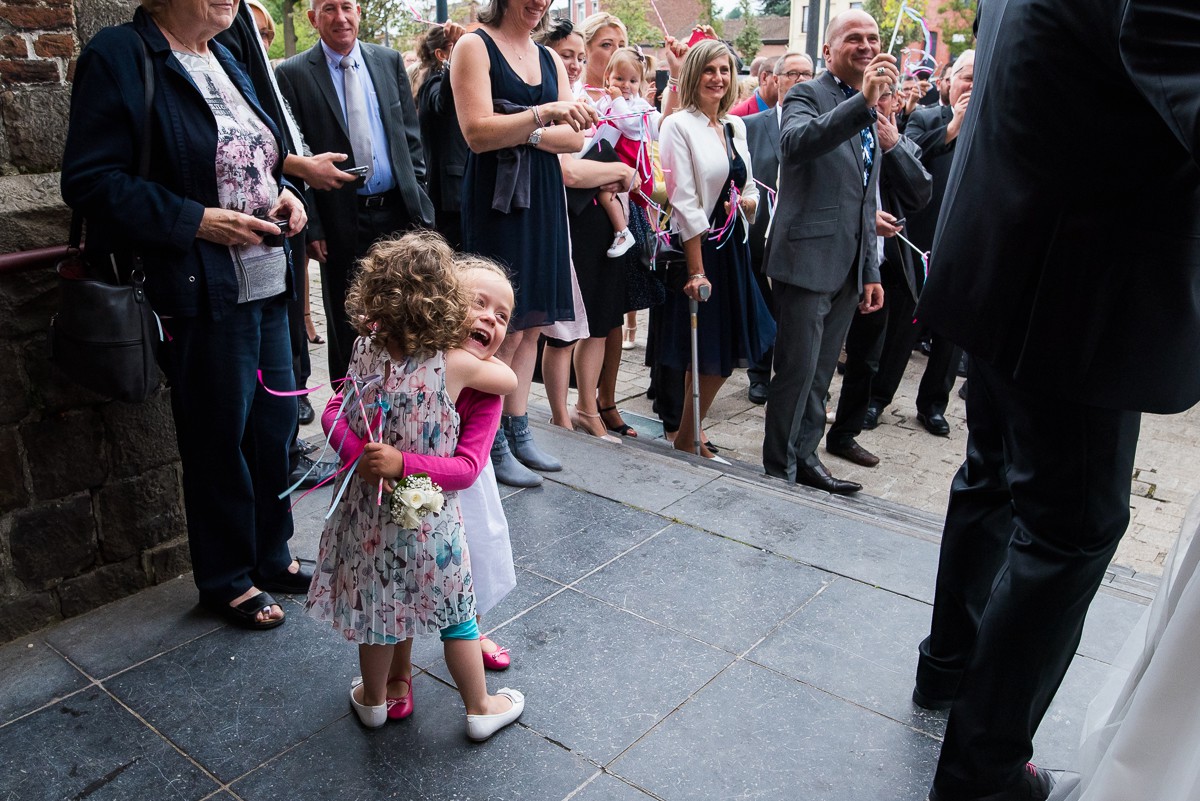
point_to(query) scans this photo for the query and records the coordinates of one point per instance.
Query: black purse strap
(76, 235)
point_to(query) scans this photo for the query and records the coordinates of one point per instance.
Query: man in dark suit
(1078, 309)
(904, 186)
(821, 254)
(762, 137)
(935, 130)
(354, 97)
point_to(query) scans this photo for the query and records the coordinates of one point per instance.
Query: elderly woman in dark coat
(216, 270)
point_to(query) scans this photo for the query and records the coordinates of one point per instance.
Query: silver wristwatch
(535, 137)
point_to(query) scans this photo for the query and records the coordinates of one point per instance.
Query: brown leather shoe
(819, 478)
(853, 452)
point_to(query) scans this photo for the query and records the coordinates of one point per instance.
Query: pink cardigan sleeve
(480, 415)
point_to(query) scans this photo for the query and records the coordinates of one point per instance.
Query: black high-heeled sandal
(623, 430)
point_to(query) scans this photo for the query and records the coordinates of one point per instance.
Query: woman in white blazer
(706, 164)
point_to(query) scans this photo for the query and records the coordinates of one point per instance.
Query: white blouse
(696, 167)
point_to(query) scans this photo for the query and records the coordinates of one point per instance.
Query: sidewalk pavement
(916, 467)
(679, 632)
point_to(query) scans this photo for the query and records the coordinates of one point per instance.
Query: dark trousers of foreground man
(1028, 529)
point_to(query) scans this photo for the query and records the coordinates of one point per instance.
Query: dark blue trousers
(233, 440)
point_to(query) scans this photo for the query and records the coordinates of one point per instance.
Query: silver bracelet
(537, 116)
(697, 275)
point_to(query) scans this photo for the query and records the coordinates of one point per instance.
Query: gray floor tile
(626, 473)
(821, 538)
(597, 678)
(426, 756)
(235, 698)
(309, 516)
(1110, 619)
(609, 788)
(1057, 740)
(150, 622)
(530, 589)
(754, 734)
(562, 533)
(88, 747)
(858, 643)
(722, 592)
(34, 675)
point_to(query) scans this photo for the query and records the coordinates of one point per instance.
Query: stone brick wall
(90, 499)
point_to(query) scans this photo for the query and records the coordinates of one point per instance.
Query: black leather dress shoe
(853, 452)
(871, 420)
(820, 478)
(312, 472)
(757, 393)
(307, 413)
(1035, 784)
(935, 424)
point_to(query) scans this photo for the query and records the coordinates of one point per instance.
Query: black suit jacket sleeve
(315, 230)
(904, 178)
(928, 131)
(412, 128)
(1157, 38)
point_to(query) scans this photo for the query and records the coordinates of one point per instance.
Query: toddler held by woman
(630, 122)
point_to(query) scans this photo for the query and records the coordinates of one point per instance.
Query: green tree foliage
(958, 16)
(749, 41)
(777, 8)
(636, 16)
(708, 16)
(885, 13)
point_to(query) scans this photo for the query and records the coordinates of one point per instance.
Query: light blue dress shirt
(381, 176)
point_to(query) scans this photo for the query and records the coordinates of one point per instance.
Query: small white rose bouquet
(413, 498)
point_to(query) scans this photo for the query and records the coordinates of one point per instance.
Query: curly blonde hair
(408, 295)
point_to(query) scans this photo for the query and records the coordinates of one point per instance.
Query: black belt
(380, 200)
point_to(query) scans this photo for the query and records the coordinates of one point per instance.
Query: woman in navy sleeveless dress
(517, 113)
(530, 242)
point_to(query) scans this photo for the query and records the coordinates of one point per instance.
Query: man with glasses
(762, 136)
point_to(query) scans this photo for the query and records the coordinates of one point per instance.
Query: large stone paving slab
(561, 533)
(847, 546)
(725, 593)
(860, 644)
(622, 473)
(89, 747)
(166, 616)
(33, 675)
(755, 734)
(235, 698)
(426, 756)
(596, 677)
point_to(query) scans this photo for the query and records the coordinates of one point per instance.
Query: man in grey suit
(821, 255)
(352, 97)
(762, 136)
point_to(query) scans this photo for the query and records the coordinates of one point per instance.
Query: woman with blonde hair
(710, 183)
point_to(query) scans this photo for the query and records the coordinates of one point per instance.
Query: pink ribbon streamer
(288, 394)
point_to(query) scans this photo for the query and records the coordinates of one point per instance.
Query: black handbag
(105, 335)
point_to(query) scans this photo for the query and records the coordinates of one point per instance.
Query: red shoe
(400, 708)
(496, 661)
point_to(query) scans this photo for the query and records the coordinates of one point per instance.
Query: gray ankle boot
(508, 470)
(520, 439)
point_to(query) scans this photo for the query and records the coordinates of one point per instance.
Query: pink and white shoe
(497, 660)
(400, 708)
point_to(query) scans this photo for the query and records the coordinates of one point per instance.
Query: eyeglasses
(795, 75)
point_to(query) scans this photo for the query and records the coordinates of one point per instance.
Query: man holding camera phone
(821, 256)
(354, 97)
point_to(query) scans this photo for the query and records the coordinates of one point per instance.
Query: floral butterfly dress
(377, 583)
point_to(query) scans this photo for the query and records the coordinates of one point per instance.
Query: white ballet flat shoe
(481, 727)
(371, 716)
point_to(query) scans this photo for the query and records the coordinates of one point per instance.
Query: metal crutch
(694, 310)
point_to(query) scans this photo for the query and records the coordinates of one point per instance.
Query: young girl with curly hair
(379, 582)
